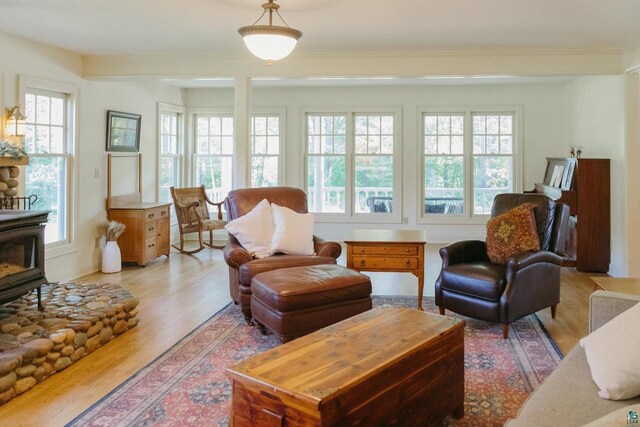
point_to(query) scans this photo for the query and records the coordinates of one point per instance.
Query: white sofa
(569, 397)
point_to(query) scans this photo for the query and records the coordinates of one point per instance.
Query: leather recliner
(242, 266)
(471, 285)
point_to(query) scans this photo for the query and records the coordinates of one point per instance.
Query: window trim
(180, 125)
(60, 248)
(350, 216)
(467, 111)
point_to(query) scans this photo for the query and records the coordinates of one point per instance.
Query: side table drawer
(398, 263)
(385, 250)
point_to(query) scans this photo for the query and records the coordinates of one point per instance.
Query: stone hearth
(77, 319)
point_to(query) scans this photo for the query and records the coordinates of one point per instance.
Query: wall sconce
(15, 122)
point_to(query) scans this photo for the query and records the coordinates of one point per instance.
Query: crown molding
(393, 64)
(631, 58)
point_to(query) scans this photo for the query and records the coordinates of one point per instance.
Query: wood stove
(21, 253)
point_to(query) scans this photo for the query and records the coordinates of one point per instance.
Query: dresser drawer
(374, 263)
(156, 213)
(150, 246)
(150, 229)
(385, 250)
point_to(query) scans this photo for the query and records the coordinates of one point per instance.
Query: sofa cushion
(251, 268)
(512, 233)
(314, 286)
(568, 397)
(293, 233)
(620, 417)
(481, 279)
(254, 230)
(616, 373)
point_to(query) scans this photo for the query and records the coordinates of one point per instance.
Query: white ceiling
(101, 27)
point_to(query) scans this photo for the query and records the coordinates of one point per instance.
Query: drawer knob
(408, 263)
(151, 245)
(150, 215)
(150, 228)
(362, 263)
(163, 213)
(406, 250)
(362, 250)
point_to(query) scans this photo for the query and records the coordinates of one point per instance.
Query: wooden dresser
(147, 235)
(148, 232)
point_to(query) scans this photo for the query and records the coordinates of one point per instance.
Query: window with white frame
(265, 150)
(326, 162)
(444, 164)
(170, 168)
(49, 145)
(213, 154)
(351, 163)
(466, 166)
(492, 158)
(373, 161)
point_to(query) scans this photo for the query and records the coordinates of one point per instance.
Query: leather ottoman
(295, 301)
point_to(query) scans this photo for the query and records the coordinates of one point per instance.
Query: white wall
(543, 131)
(596, 120)
(22, 57)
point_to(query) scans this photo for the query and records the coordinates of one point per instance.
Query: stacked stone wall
(78, 319)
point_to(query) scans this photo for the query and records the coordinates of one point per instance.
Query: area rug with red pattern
(187, 386)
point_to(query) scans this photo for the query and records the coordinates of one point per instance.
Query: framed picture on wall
(123, 131)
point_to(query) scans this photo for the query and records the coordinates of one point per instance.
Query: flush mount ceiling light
(270, 42)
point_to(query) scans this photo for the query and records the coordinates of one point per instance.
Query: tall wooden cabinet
(589, 200)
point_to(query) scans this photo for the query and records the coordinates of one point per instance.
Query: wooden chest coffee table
(384, 366)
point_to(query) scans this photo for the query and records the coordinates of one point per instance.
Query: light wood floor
(178, 294)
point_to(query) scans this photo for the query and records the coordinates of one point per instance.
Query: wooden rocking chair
(193, 216)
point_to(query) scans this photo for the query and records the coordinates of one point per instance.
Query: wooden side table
(624, 285)
(388, 251)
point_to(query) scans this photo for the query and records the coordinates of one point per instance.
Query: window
(444, 164)
(48, 140)
(492, 159)
(374, 163)
(468, 158)
(265, 150)
(326, 163)
(213, 156)
(170, 167)
(351, 164)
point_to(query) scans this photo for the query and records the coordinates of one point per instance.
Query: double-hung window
(265, 150)
(468, 158)
(49, 142)
(493, 155)
(213, 154)
(352, 165)
(171, 146)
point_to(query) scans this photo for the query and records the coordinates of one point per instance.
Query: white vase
(111, 261)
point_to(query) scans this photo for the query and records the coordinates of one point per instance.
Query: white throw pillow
(613, 354)
(254, 230)
(293, 233)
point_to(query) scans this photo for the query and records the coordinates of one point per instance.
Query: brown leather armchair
(469, 284)
(242, 266)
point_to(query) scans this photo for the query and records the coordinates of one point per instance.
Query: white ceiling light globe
(270, 47)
